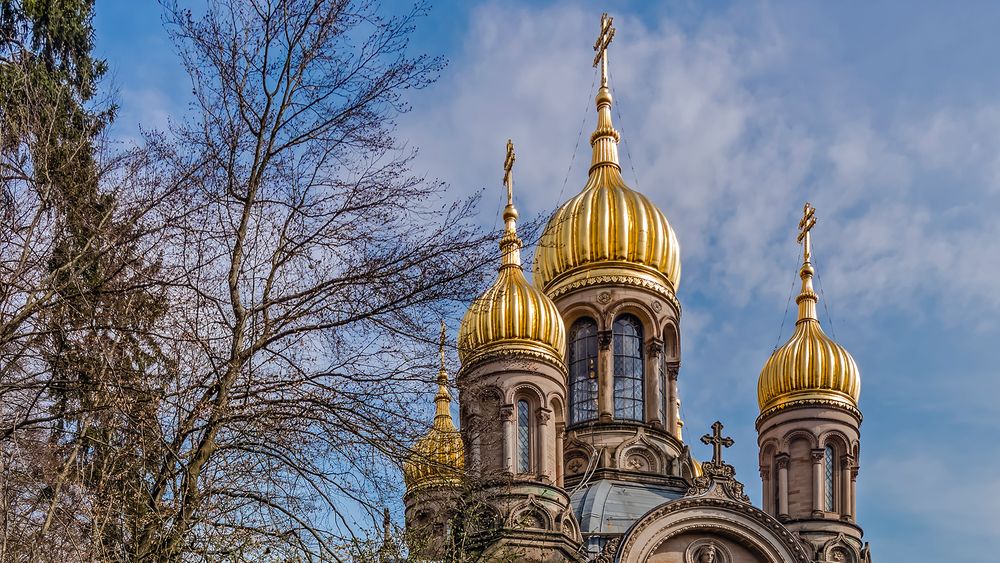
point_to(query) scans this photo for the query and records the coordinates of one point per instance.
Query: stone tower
(610, 262)
(513, 392)
(433, 475)
(809, 430)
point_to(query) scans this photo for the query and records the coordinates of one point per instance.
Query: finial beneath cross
(805, 225)
(508, 166)
(717, 442)
(601, 46)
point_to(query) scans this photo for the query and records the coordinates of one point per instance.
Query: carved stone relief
(707, 551)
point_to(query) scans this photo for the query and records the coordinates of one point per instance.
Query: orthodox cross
(508, 165)
(805, 225)
(717, 442)
(601, 46)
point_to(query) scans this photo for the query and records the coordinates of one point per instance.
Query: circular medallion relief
(604, 297)
(707, 551)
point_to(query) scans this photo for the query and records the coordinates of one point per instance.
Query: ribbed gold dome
(512, 316)
(810, 368)
(608, 230)
(438, 458)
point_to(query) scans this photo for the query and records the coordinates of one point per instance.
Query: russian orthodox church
(571, 445)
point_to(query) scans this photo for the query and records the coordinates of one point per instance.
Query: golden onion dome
(809, 369)
(608, 232)
(438, 458)
(512, 316)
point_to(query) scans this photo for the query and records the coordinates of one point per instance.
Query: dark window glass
(523, 438)
(583, 371)
(829, 478)
(628, 368)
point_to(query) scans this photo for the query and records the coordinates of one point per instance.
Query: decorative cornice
(577, 278)
(810, 402)
(499, 352)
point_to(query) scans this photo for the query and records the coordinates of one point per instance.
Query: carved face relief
(706, 551)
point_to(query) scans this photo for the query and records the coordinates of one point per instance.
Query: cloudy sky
(886, 118)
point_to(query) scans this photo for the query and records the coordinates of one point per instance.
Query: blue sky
(886, 116)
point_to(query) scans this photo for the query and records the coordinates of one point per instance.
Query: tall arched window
(627, 333)
(830, 472)
(583, 371)
(523, 437)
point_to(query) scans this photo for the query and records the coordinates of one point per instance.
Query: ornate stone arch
(768, 450)
(671, 337)
(710, 517)
(580, 309)
(841, 444)
(640, 310)
(841, 550)
(786, 440)
(527, 390)
(530, 513)
(639, 453)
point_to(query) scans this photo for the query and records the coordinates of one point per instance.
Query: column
(766, 492)
(854, 489)
(818, 481)
(782, 462)
(654, 383)
(605, 378)
(544, 446)
(846, 511)
(509, 439)
(673, 368)
(560, 430)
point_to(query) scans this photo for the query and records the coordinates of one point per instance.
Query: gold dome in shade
(608, 231)
(512, 316)
(810, 368)
(438, 458)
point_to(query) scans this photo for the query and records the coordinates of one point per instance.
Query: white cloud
(729, 161)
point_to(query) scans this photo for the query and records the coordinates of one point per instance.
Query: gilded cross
(601, 46)
(717, 442)
(508, 166)
(805, 225)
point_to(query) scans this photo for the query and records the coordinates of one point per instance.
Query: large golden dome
(608, 232)
(438, 458)
(512, 316)
(810, 368)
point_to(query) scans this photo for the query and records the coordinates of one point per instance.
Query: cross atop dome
(601, 46)
(806, 224)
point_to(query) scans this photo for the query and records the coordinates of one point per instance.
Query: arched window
(583, 371)
(627, 333)
(828, 490)
(523, 437)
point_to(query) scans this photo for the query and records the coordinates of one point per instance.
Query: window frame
(524, 434)
(631, 374)
(583, 385)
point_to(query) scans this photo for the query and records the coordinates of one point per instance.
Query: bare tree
(302, 280)
(209, 351)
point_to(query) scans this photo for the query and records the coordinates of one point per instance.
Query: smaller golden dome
(512, 316)
(438, 458)
(810, 368)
